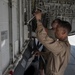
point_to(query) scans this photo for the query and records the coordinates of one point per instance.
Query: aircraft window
(72, 39)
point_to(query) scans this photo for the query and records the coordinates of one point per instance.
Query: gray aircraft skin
(18, 38)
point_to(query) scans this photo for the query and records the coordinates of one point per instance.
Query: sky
(72, 40)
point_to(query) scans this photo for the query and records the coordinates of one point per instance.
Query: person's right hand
(38, 15)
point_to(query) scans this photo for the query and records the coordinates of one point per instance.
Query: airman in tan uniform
(58, 51)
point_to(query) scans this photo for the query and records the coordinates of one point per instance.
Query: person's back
(57, 62)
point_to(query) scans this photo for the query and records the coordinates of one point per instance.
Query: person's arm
(52, 45)
(49, 43)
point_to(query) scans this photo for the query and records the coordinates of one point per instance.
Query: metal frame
(10, 30)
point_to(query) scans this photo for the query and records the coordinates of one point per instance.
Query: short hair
(66, 25)
(57, 19)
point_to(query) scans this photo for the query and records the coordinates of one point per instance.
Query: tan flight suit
(42, 64)
(58, 52)
(51, 34)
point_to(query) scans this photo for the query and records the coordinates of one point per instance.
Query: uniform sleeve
(45, 54)
(54, 46)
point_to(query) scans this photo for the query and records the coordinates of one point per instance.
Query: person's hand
(37, 53)
(38, 15)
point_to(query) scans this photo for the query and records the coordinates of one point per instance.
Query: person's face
(61, 33)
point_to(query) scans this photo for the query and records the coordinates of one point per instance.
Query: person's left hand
(37, 53)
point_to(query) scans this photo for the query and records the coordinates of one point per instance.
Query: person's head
(55, 23)
(63, 30)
